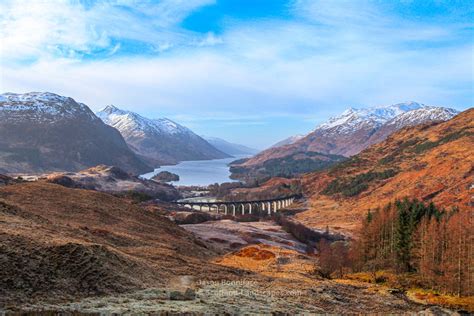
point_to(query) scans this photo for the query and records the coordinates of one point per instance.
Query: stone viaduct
(240, 207)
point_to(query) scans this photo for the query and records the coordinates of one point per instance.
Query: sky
(249, 71)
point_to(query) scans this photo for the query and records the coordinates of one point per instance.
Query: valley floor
(282, 281)
(81, 251)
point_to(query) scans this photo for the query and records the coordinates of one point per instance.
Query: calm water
(202, 172)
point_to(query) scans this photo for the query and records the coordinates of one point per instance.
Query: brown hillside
(61, 242)
(433, 162)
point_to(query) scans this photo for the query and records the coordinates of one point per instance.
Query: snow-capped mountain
(42, 131)
(133, 124)
(421, 115)
(41, 106)
(411, 118)
(354, 119)
(356, 129)
(160, 141)
(230, 148)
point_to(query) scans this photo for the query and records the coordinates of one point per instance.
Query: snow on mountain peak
(111, 109)
(41, 105)
(373, 117)
(424, 114)
(131, 123)
(32, 97)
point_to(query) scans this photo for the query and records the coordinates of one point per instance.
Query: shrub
(136, 196)
(427, 145)
(354, 185)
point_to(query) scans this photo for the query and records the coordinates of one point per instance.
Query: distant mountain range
(42, 132)
(344, 135)
(159, 141)
(230, 148)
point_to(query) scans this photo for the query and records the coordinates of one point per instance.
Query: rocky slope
(354, 130)
(44, 132)
(431, 162)
(160, 141)
(230, 148)
(6, 180)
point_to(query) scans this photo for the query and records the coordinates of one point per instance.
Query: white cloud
(36, 29)
(332, 55)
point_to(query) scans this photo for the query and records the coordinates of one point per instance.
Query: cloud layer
(319, 59)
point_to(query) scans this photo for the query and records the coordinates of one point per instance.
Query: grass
(450, 301)
(411, 285)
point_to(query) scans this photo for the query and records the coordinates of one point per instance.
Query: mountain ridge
(159, 141)
(43, 132)
(354, 130)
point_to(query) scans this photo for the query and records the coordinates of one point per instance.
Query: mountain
(432, 162)
(44, 132)
(354, 130)
(412, 118)
(159, 141)
(288, 141)
(230, 148)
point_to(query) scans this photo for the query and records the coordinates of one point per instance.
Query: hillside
(431, 162)
(113, 180)
(62, 243)
(73, 250)
(287, 166)
(159, 141)
(352, 131)
(43, 132)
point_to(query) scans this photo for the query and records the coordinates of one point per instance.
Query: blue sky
(249, 71)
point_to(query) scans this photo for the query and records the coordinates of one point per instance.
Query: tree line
(411, 238)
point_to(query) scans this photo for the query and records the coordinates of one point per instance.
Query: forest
(431, 246)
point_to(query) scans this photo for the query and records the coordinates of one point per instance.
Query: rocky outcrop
(116, 181)
(165, 176)
(6, 180)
